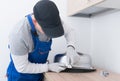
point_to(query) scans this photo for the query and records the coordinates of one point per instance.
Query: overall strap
(33, 31)
(31, 23)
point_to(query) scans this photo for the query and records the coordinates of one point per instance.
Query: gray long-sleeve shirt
(21, 44)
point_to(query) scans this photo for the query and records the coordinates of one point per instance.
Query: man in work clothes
(30, 43)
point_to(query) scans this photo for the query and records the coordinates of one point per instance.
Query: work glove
(56, 67)
(72, 57)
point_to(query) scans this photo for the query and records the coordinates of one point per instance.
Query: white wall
(106, 41)
(13, 11)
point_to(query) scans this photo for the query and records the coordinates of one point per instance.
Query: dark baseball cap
(47, 15)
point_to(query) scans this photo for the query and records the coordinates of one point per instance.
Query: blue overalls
(38, 55)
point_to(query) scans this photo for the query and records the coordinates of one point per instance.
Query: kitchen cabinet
(74, 6)
(91, 76)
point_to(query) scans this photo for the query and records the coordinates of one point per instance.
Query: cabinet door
(75, 6)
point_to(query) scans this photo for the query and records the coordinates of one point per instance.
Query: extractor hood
(94, 11)
(92, 7)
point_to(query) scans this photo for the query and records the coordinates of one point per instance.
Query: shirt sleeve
(17, 45)
(19, 54)
(22, 65)
(69, 34)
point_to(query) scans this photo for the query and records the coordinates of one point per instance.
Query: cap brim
(51, 30)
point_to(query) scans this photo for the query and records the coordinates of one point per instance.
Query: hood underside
(94, 10)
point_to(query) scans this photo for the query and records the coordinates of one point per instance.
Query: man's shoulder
(21, 29)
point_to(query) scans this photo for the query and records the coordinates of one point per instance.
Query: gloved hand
(56, 67)
(72, 56)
